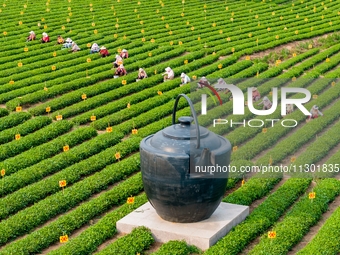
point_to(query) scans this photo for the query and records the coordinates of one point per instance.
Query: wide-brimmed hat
(265, 99)
(103, 48)
(68, 40)
(121, 66)
(140, 69)
(254, 89)
(182, 75)
(124, 50)
(203, 81)
(31, 32)
(315, 107)
(168, 69)
(44, 34)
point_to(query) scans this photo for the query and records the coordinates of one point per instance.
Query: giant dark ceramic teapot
(175, 163)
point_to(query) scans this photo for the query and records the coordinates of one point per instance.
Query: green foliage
(326, 240)
(46, 150)
(87, 241)
(33, 193)
(31, 140)
(13, 120)
(299, 219)
(138, 240)
(62, 201)
(47, 166)
(3, 112)
(262, 217)
(177, 248)
(26, 128)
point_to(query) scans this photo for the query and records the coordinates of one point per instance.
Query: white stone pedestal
(202, 234)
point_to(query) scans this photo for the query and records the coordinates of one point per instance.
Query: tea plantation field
(70, 132)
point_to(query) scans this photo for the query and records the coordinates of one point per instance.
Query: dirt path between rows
(288, 46)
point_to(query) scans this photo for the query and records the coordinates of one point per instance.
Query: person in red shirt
(124, 53)
(104, 52)
(256, 94)
(45, 38)
(120, 71)
(315, 112)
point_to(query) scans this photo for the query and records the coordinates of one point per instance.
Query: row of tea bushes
(62, 201)
(39, 190)
(3, 112)
(25, 128)
(46, 150)
(94, 235)
(326, 240)
(13, 120)
(296, 223)
(135, 242)
(22, 177)
(39, 137)
(262, 217)
(176, 248)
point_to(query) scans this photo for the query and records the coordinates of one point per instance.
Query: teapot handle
(192, 112)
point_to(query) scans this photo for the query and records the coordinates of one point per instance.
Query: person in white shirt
(169, 74)
(68, 43)
(118, 62)
(184, 79)
(266, 103)
(75, 47)
(141, 74)
(289, 108)
(94, 48)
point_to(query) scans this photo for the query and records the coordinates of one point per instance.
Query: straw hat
(121, 66)
(254, 89)
(103, 48)
(32, 32)
(44, 34)
(124, 50)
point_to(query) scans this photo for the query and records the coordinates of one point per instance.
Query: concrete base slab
(202, 234)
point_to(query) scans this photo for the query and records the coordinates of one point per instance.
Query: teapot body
(180, 189)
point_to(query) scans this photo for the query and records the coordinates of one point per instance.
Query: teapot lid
(181, 138)
(184, 130)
